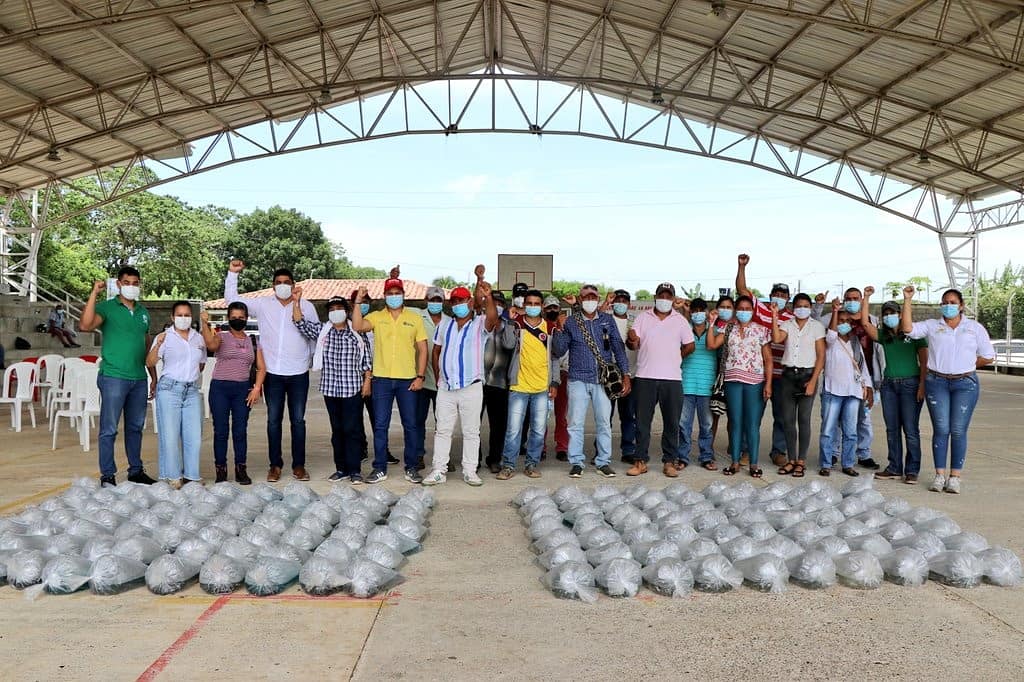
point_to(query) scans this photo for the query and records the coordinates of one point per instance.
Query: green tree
(894, 289)
(642, 295)
(923, 284)
(280, 238)
(446, 282)
(994, 297)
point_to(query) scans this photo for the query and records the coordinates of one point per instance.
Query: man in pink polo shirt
(661, 337)
(763, 317)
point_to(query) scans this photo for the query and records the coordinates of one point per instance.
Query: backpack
(21, 343)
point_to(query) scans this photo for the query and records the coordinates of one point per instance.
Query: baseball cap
(589, 288)
(337, 300)
(392, 283)
(622, 293)
(498, 297)
(460, 293)
(665, 286)
(519, 289)
(435, 292)
(780, 286)
(552, 301)
(891, 307)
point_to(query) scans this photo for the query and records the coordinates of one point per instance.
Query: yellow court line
(42, 495)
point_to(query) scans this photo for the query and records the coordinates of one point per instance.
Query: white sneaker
(435, 478)
(938, 484)
(472, 479)
(953, 485)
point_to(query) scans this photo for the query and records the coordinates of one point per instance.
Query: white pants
(465, 404)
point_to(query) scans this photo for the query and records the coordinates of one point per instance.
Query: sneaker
(377, 477)
(606, 471)
(953, 485)
(413, 476)
(108, 481)
(910, 479)
(531, 472)
(392, 459)
(576, 471)
(938, 484)
(562, 456)
(356, 479)
(887, 474)
(505, 474)
(868, 463)
(435, 477)
(141, 477)
(222, 474)
(472, 479)
(241, 477)
(336, 476)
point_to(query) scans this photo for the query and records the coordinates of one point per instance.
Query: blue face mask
(434, 308)
(460, 310)
(891, 321)
(698, 318)
(364, 308)
(725, 314)
(620, 309)
(949, 310)
(852, 307)
(394, 301)
(844, 328)
(532, 311)
(780, 302)
(744, 316)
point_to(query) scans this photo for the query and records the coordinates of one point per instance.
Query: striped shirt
(462, 352)
(700, 367)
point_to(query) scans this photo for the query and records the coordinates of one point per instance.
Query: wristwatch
(420, 376)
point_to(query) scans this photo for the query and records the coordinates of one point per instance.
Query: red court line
(174, 649)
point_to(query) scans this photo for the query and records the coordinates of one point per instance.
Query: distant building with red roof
(320, 290)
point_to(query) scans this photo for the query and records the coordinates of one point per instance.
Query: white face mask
(130, 292)
(182, 323)
(337, 316)
(663, 305)
(589, 307)
(283, 291)
(801, 313)
(517, 301)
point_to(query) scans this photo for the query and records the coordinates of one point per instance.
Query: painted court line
(41, 495)
(158, 666)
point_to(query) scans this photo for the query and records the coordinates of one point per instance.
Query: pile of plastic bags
(676, 540)
(223, 536)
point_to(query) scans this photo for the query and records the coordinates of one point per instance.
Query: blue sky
(623, 215)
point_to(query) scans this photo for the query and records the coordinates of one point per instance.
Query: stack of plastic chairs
(84, 404)
(24, 373)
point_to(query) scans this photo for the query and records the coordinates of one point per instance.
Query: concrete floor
(473, 605)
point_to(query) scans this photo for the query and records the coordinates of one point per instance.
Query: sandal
(732, 469)
(755, 472)
(787, 468)
(824, 472)
(798, 470)
(710, 465)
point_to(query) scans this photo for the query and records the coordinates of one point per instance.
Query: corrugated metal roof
(879, 83)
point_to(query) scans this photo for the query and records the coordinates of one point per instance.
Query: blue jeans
(229, 411)
(745, 405)
(277, 389)
(950, 404)
(179, 410)
(425, 399)
(385, 393)
(839, 412)
(581, 396)
(129, 396)
(627, 423)
(699, 406)
(902, 413)
(518, 406)
(346, 415)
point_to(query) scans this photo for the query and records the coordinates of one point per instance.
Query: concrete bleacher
(19, 317)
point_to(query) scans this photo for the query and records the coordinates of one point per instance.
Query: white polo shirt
(954, 350)
(181, 357)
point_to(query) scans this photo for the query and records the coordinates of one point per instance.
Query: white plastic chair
(84, 404)
(24, 373)
(204, 386)
(47, 374)
(60, 394)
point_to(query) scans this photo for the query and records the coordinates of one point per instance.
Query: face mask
(744, 316)
(663, 305)
(501, 309)
(950, 310)
(725, 314)
(364, 308)
(801, 313)
(590, 307)
(130, 292)
(780, 302)
(283, 291)
(394, 301)
(337, 316)
(517, 301)
(620, 309)
(460, 310)
(891, 321)
(434, 308)
(237, 324)
(182, 323)
(551, 316)
(844, 328)
(533, 311)
(852, 307)
(698, 318)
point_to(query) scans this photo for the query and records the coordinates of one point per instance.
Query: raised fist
(571, 299)
(775, 309)
(479, 272)
(98, 286)
(395, 272)
(836, 305)
(821, 298)
(360, 294)
(868, 290)
(743, 259)
(681, 305)
(609, 298)
(236, 265)
(204, 317)
(908, 292)
(296, 294)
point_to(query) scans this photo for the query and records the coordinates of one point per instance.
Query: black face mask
(551, 316)
(237, 324)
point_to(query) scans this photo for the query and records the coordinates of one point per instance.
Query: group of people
(470, 353)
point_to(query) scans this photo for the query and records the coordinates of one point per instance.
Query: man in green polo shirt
(122, 376)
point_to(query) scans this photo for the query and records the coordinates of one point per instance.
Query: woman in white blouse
(178, 406)
(957, 346)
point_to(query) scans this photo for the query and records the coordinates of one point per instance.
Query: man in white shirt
(287, 354)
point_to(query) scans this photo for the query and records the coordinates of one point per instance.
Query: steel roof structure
(912, 106)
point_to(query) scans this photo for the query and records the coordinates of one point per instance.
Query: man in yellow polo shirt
(533, 378)
(399, 367)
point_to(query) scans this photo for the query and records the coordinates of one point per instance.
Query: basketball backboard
(535, 270)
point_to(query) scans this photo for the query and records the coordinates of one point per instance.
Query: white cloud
(468, 186)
